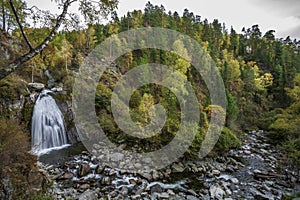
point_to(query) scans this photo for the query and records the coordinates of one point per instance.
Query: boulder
(216, 192)
(37, 86)
(84, 169)
(156, 188)
(88, 195)
(177, 168)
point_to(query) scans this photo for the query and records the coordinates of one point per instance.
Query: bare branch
(20, 25)
(33, 52)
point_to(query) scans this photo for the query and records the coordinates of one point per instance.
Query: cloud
(282, 8)
(293, 32)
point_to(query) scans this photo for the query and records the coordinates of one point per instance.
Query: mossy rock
(227, 141)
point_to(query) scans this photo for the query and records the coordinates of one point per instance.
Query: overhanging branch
(20, 25)
(34, 51)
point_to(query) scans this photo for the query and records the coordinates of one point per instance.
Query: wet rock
(156, 188)
(132, 181)
(83, 170)
(136, 197)
(216, 192)
(216, 172)
(124, 191)
(100, 169)
(106, 180)
(247, 152)
(191, 197)
(112, 172)
(192, 192)
(84, 187)
(171, 192)
(260, 196)
(67, 175)
(88, 195)
(234, 181)
(164, 195)
(146, 176)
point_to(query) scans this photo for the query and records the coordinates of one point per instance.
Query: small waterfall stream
(47, 128)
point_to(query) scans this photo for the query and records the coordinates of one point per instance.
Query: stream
(250, 172)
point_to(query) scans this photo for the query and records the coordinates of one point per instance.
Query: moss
(227, 141)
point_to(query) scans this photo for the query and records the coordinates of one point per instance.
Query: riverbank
(250, 172)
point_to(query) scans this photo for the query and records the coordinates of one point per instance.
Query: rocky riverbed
(250, 172)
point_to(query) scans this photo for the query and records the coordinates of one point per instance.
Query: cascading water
(47, 128)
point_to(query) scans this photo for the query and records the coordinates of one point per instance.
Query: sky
(283, 16)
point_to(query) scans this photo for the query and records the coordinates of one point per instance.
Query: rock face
(37, 86)
(235, 176)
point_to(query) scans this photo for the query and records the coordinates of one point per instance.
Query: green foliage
(285, 130)
(15, 164)
(227, 140)
(232, 109)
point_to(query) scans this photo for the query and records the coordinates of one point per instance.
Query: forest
(261, 75)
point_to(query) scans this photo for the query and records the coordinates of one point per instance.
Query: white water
(47, 128)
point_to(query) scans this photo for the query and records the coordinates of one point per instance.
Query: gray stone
(84, 169)
(100, 169)
(216, 192)
(164, 195)
(247, 152)
(106, 180)
(216, 172)
(191, 197)
(116, 157)
(156, 188)
(155, 175)
(67, 175)
(177, 168)
(84, 187)
(171, 192)
(136, 197)
(146, 176)
(88, 195)
(234, 181)
(124, 191)
(37, 86)
(192, 192)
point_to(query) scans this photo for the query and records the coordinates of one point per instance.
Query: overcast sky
(283, 16)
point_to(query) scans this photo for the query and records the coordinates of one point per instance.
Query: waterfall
(47, 128)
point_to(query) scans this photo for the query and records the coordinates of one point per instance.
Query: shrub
(16, 162)
(227, 141)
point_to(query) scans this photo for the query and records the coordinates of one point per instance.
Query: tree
(91, 10)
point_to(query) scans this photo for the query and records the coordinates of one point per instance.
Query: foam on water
(48, 128)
